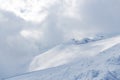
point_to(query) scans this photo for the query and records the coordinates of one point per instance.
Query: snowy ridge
(66, 53)
(100, 63)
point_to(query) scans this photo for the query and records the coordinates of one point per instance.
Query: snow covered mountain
(95, 60)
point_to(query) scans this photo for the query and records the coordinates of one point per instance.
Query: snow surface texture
(99, 60)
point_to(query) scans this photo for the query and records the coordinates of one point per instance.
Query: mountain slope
(71, 50)
(97, 60)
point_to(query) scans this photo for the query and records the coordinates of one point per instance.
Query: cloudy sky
(30, 27)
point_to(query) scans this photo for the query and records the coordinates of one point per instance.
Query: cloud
(15, 50)
(89, 17)
(103, 15)
(29, 10)
(21, 41)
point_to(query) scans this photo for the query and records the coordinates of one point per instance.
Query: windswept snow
(103, 65)
(67, 52)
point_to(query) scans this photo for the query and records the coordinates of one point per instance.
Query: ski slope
(94, 60)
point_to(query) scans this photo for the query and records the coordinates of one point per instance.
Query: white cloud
(32, 34)
(30, 10)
